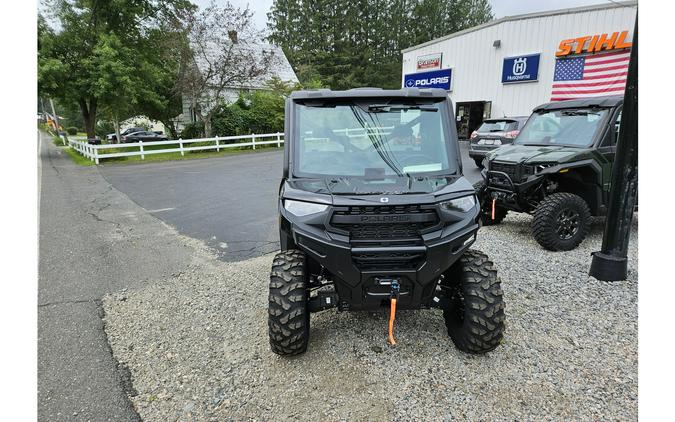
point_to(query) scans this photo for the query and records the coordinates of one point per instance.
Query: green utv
(558, 170)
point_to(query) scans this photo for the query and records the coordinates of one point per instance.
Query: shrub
(72, 131)
(104, 127)
(193, 130)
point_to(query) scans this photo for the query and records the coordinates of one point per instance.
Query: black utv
(375, 214)
(558, 169)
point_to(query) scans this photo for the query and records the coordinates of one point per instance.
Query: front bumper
(361, 285)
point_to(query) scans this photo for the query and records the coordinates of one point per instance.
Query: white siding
(477, 65)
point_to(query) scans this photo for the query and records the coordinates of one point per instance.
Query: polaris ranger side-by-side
(558, 170)
(375, 214)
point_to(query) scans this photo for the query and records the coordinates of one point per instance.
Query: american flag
(593, 75)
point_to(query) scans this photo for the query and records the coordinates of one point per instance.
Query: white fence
(100, 152)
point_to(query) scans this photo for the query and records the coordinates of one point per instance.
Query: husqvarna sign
(520, 69)
(434, 79)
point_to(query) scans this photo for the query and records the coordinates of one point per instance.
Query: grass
(169, 156)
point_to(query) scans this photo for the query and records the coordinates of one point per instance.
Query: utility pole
(56, 117)
(611, 262)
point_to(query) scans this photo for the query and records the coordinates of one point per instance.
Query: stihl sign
(593, 43)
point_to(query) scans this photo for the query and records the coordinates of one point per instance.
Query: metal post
(278, 140)
(217, 144)
(56, 118)
(142, 155)
(611, 262)
(253, 140)
(180, 143)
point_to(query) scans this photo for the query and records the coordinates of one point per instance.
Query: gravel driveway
(196, 347)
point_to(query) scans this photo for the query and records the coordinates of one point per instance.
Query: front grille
(516, 172)
(386, 227)
(396, 222)
(388, 260)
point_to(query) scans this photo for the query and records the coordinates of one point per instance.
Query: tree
(99, 57)
(358, 42)
(225, 54)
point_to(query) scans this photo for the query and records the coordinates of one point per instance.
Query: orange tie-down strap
(494, 203)
(392, 316)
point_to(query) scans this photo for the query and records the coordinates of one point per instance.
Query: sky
(500, 8)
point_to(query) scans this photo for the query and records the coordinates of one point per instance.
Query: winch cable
(392, 312)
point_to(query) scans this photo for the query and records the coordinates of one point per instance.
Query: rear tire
(561, 221)
(475, 317)
(288, 315)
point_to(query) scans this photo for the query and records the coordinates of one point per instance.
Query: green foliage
(358, 42)
(193, 131)
(255, 112)
(104, 127)
(72, 131)
(104, 55)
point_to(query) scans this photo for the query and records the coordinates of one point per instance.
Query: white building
(278, 67)
(506, 67)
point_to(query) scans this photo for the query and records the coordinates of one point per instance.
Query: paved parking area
(228, 202)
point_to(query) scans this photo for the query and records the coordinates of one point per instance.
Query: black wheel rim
(568, 224)
(457, 303)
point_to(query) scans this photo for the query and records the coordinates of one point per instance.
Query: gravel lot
(196, 347)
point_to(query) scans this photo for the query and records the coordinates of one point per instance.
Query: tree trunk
(118, 135)
(207, 125)
(89, 116)
(170, 126)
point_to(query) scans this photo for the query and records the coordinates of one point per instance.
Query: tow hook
(393, 297)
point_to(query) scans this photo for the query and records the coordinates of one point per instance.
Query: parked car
(145, 136)
(111, 137)
(492, 134)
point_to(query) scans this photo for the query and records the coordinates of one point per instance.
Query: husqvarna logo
(519, 66)
(384, 199)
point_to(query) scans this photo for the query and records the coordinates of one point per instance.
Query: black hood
(394, 185)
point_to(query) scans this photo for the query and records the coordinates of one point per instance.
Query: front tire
(561, 221)
(475, 316)
(288, 315)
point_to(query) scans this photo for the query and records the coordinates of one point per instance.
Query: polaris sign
(435, 79)
(520, 69)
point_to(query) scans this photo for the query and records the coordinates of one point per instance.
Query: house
(278, 67)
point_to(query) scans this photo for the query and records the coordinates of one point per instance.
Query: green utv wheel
(486, 207)
(475, 315)
(288, 316)
(561, 221)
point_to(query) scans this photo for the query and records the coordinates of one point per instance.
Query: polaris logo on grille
(385, 218)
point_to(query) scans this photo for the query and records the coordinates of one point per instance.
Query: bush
(104, 127)
(72, 131)
(193, 131)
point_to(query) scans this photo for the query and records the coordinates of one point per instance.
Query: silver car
(492, 134)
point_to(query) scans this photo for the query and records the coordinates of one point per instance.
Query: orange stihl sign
(593, 43)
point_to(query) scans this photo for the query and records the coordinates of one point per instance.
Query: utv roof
(609, 101)
(371, 93)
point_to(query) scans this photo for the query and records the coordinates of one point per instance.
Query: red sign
(430, 61)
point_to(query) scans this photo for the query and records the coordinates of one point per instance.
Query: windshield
(355, 138)
(498, 126)
(571, 127)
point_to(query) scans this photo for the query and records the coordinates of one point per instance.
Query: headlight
(463, 204)
(301, 209)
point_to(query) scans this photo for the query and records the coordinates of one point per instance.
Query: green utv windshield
(567, 127)
(372, 139)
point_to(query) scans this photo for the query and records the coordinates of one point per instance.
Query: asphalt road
(228, 202)
(93, 241)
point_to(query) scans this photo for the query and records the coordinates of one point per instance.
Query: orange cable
(392, 317)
